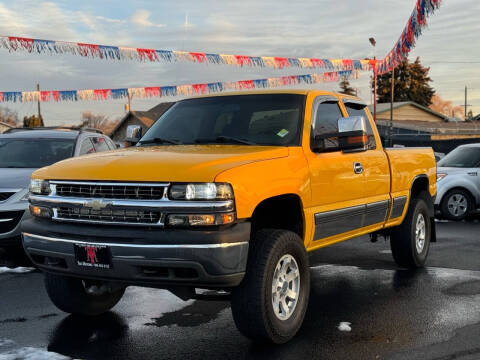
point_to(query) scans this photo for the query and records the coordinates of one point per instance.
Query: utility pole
(390, 127)
(40, 120)
(466, 102)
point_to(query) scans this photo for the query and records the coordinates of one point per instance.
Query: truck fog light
(40, 211)
(200, 219)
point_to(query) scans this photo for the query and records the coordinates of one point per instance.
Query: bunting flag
(175, 90)
(411, 32)
(29, 45)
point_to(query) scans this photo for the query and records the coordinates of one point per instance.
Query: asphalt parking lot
(433, 313)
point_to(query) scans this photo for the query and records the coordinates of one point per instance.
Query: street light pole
(374, 43)
(390, 128)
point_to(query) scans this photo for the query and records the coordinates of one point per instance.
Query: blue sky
(310, 28)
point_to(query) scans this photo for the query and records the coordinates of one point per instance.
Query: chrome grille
(111, 191)
(120, 216)
(5, 195)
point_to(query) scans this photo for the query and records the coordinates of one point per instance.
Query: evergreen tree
(345, 87)
(411, 84)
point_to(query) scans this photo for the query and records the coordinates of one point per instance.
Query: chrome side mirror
(351, 136)
(134, 134)
(352, 123)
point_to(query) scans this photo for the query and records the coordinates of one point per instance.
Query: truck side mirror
(134, 134)
(353, 133)
(351, 136)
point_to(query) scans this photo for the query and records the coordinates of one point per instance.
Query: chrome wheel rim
(420, 229)
(285, 287)
(457, 204)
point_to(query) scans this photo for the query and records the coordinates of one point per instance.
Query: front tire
(270, 303)
(69, 295)
(456, 205)
(410, 241)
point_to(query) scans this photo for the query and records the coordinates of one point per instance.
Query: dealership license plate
(93, 256)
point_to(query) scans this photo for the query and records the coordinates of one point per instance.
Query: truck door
(375, 168)
(338, 187)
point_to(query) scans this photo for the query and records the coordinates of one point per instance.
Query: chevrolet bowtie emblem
(96, 204)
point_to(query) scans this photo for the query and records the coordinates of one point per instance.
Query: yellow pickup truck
(229, 192)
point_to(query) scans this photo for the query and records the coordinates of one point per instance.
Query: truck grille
(5, 195)
(9, 220)
(109, 215)
(111, 191)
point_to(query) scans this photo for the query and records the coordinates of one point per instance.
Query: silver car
(458, 183)
(22, 151)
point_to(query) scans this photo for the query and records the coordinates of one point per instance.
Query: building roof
(384, 107)
(147, 118)
(476, 118)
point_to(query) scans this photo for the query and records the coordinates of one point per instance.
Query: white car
(458, 183)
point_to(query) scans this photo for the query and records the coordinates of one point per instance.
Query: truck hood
(160, 163)
(15, 178)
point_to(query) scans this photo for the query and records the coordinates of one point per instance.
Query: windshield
(462, 157)
(266, 119)
(33, 153)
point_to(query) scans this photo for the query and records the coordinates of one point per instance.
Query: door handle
(357, 168)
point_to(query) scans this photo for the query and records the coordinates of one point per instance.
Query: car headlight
(201, 191)
(440, 176)
(39, 187)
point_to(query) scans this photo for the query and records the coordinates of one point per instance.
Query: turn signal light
(40, 211)
(200, 219)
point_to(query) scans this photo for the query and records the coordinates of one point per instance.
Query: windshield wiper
(225, 139)
(158, 140)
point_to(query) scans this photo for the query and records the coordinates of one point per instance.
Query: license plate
(93, 256)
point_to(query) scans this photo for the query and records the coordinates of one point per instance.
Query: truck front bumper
(154, 257)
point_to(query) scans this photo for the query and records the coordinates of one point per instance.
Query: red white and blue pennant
(107, 52)
(412, 31)
(175, 90)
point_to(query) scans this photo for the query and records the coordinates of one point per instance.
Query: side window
(100, 144)
(326, 115)
(359, 110)
(86, 147)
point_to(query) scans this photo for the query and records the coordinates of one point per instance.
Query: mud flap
(433, 230)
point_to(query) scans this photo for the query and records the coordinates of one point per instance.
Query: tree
(32, 121)
(411, 84)
(97, 121)
(345, 87)
(445, 107)
(469, 116)
(8, 116)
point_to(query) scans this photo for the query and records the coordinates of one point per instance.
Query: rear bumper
(155, 257)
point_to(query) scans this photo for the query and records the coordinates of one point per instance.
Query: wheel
(70, 295)
(270, 303)
(410, 241)
(456, 205)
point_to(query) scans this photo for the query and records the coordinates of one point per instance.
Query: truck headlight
(39, 187)
(440, 176)
(201, 191)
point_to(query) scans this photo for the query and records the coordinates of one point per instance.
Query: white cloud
(142, 18)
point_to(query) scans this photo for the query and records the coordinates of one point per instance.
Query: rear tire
(69, 295)
(270, 303)
(456, 205)
(410, 241)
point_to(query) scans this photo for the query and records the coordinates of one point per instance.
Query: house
(4, 127)
(412, 118)
(476, 118)
(145, 119)
(417, 125)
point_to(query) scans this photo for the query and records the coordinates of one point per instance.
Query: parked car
(23, 150)
(229, 192)
(458, 183)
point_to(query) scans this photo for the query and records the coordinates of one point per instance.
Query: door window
(325, 122)
(359, 110)
(86, 147)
